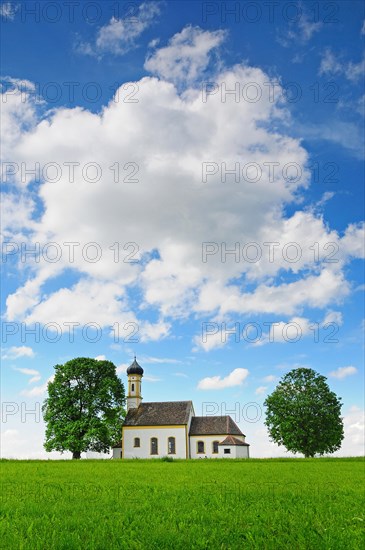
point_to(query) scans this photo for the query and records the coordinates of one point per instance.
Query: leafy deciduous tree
(303, 414)
(84, 408)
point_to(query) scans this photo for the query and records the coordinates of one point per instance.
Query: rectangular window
(201, 447)
(154, 446)
(137, 442)
(171, 446)
(227, 451)
(215, 447)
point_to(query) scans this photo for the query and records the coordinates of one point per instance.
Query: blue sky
(142, 143)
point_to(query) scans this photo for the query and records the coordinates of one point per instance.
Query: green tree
(84, 410)
(304, 415)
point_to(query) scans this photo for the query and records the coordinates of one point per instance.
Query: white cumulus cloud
(15, 352)
(187, 54)
(168, 213)
(119, 35)
(235, 378)
(343, 372)
(261, 390)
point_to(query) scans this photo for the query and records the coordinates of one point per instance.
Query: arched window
(215, 447)
(137, 442)
(154, 446)
(132, 387)
(200, 447)
(171, 446)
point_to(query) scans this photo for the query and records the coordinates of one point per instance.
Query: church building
(170, 428)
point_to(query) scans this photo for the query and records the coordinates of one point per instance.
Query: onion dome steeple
(135, 374)
(135, 368)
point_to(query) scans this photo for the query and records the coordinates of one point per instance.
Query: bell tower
(134, 373)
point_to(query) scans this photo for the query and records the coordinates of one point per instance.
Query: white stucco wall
(117, 452)
(191, 414)
(145, 434)
(243, 452)
(208, 440)
(237, 451)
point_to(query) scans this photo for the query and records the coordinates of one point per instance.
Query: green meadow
(196, 504)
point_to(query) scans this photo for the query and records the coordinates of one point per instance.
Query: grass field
(212, 504)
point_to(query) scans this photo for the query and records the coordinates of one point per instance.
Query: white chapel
(170, 428)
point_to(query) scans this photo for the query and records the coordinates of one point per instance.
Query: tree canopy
(304, 415)
(84, 410)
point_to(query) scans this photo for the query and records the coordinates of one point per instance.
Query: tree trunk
(76, 455)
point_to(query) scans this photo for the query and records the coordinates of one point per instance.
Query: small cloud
(333, 317)
(37, 391)
(15, 352)
(154, 331)
(100, 358)
(29, 372)
(261, 390)
(119, 35)
(342, 372)
(332, 65)
(121, 369)
(36, 376)
(160, 360)
(154, 43)
(17, 84)
(235, 378)
(215, 340)
(363, 27)
(300, 31)
(348, 135)
(307, 28)
(8, 10)
(355, 71)
(187, 54)
(298, 58)
(34, 379)
(283, 332)
(270, 378)
(360, 105)
(180, 374)
(327, 196)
